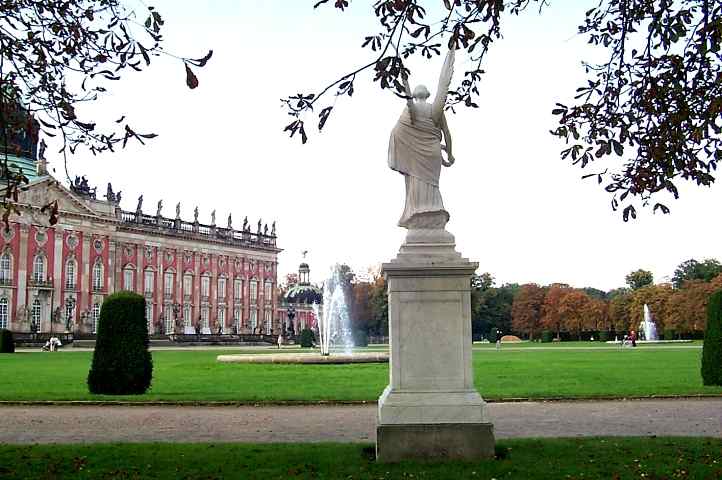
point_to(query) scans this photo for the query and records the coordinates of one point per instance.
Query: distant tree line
(566, 312)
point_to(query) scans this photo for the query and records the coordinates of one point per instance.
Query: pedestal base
(431, 409)
(444, 441)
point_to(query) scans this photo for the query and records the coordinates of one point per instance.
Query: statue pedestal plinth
(430, 409)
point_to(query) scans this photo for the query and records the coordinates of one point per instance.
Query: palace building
(195, 277)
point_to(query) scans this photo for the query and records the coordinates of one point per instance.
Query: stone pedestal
(430, 407)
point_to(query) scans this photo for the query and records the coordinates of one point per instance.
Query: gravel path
(352, 423)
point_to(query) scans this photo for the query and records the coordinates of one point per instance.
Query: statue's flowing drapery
(415, 152)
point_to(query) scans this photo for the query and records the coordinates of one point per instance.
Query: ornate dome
(308, 294)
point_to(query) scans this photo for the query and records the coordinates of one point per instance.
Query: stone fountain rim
(306, 358)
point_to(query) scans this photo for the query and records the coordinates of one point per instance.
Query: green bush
(122, 364)
(603, 336)
(360, 338)
(492, 335)
(712, 349)
(7, 343)
(670, 334)
(306, 338)
(546, 336)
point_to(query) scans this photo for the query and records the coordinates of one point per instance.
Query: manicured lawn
(194, 375)
(608, 458)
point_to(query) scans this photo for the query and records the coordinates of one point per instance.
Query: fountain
(334, 332)
(334, 326)
(647, 326)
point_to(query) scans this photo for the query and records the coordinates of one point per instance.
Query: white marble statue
(415, 151)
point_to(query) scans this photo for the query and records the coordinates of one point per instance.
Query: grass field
(609, 458)
(195, 376)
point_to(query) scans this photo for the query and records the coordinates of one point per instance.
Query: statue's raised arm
(447, 71)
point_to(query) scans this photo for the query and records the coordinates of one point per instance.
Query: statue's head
(421, 93)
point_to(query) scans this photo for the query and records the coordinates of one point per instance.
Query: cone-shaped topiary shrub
(7, 343)
(122, 364)
(712, 349)
(306, 338)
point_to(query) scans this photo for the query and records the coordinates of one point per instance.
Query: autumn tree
(691, 269)
(526, 310)
(647, 115)
(379, 307)
(596, 315)
(573, 311)
(620, 301)
(58, 54)
(551, 319)
(639, 278)
(361, 305)
(686, 309)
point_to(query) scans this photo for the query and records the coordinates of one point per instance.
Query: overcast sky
(516, 208)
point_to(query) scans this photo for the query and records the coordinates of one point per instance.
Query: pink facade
(194, 277)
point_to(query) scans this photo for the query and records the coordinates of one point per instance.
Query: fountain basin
(307, 358)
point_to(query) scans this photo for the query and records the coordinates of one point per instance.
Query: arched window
(39, 268)
(168, 281)
(221, 289)
(149, 281)
(254, 291)
(98, 275)
(205, 286)
(187, 285)
(70, 275)
(6, 268)
(35, 316)
(4, 320)
(128, 279)
(95, 315)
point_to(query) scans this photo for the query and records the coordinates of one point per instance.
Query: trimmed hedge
(122, 364)
(712, 349)
(604, 336)
(7, 343)
(306, 338)
(547, 336)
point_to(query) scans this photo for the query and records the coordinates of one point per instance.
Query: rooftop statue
(139, 208)
(259, 226)
(415, 151)
(230, 222)
(273, 228)
(213, 217)
(195, 215)
(265, 229)
(245, 224)
(177, 210)
(159, 208)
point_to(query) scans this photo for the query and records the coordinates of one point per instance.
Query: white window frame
(205, 315)
(149, 316)
(237, 319)
(168, 314)
(187, 320)
(268, 320)
(237, 289)
(222, 285)
(205, 285)
(71, 274)
(149, 281)
(98, 271)
(129, 279)
(222, 318)
(187, 284)
(254, 291)
(253, 320)
(39, 268)
(4, 313)
(6, 268)
(168, 280)
(36, 313)
(95, 315)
